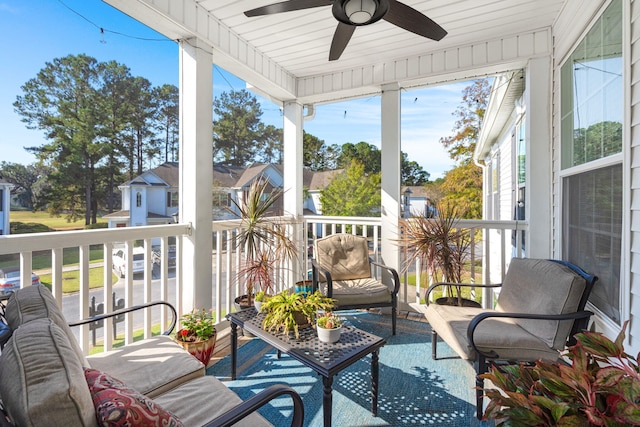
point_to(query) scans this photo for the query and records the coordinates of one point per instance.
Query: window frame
(603, 322)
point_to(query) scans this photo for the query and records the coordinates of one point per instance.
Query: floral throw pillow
(118, 405)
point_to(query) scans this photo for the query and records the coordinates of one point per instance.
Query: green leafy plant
(286, 310)
(199, 325)
(329, 320)
(600, 387)
(261, 296)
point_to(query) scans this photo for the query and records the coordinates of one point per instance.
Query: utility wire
(105, 30)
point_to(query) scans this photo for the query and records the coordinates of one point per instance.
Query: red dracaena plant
(600, 386)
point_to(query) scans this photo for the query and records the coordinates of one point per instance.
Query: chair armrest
(475, 322)
(458, 285)
(315, 266)
(174, 316)
(394, 275)
(254, 403)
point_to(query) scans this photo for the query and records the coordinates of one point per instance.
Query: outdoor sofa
(45, 377)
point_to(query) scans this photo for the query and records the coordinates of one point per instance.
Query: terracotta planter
(329, 335)
(201, 350)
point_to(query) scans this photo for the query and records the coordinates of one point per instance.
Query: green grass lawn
(57, 223)
(42, 259)
(437, 293)
(71, 279)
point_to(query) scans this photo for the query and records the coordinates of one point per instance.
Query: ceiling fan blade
(406, 17)
(287, 6)
(340, 40)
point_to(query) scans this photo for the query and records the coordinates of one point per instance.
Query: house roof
(168, 172)
(507, 89)
(226, 176)
(232, 176)
(321, 179)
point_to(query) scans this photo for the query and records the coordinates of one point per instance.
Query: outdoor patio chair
(342, 270)
(539, 310)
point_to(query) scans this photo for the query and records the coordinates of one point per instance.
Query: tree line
(101, 125)
(104, 126)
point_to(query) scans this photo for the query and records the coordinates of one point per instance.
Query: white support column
(538, 208)
(196, 171)
(292, 173)
(390, 174)
(292, 148)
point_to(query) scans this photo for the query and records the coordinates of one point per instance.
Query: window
(591, 137)
(220, 199)
(1, 199)
(172, 199)
(138, 199)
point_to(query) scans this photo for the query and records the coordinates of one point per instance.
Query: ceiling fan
(354, 13)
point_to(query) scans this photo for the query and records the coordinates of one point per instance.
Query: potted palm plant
(263, 241)
(442, 248)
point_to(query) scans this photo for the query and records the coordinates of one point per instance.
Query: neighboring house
(315, 182)
(415, 202)
(148, 199)
(5, 205)
(152, 198)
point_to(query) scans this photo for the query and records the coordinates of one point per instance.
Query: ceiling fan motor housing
(359, 12)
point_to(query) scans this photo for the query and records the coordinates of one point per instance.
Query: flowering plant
(329, 320)
(199, 325)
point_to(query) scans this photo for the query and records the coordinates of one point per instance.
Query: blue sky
(37, 31)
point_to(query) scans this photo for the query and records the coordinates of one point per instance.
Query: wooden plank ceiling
(299, 41)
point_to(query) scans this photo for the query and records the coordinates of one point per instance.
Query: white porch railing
(76, 306)
(492, 245)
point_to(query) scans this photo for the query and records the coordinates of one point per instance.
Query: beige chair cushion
(37, 302)
(542, 287)
(505, 337)
(345, 256)
(137, 365)
(203, 399)
(358, 292)
(42, 381)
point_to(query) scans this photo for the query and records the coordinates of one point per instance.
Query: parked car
(119, 259)
(156, 256)
(10, 279)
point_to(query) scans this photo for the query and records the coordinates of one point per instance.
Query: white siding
(634, 119)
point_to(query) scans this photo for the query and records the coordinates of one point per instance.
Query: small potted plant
(329, 327)
(288, 311)
(600, 387)
(198, 334)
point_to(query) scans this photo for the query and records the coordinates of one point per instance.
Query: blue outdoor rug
(414, 390)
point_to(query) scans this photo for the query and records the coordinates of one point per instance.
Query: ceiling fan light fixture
(360, 11)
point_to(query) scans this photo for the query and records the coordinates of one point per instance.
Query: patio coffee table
(325, 359)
